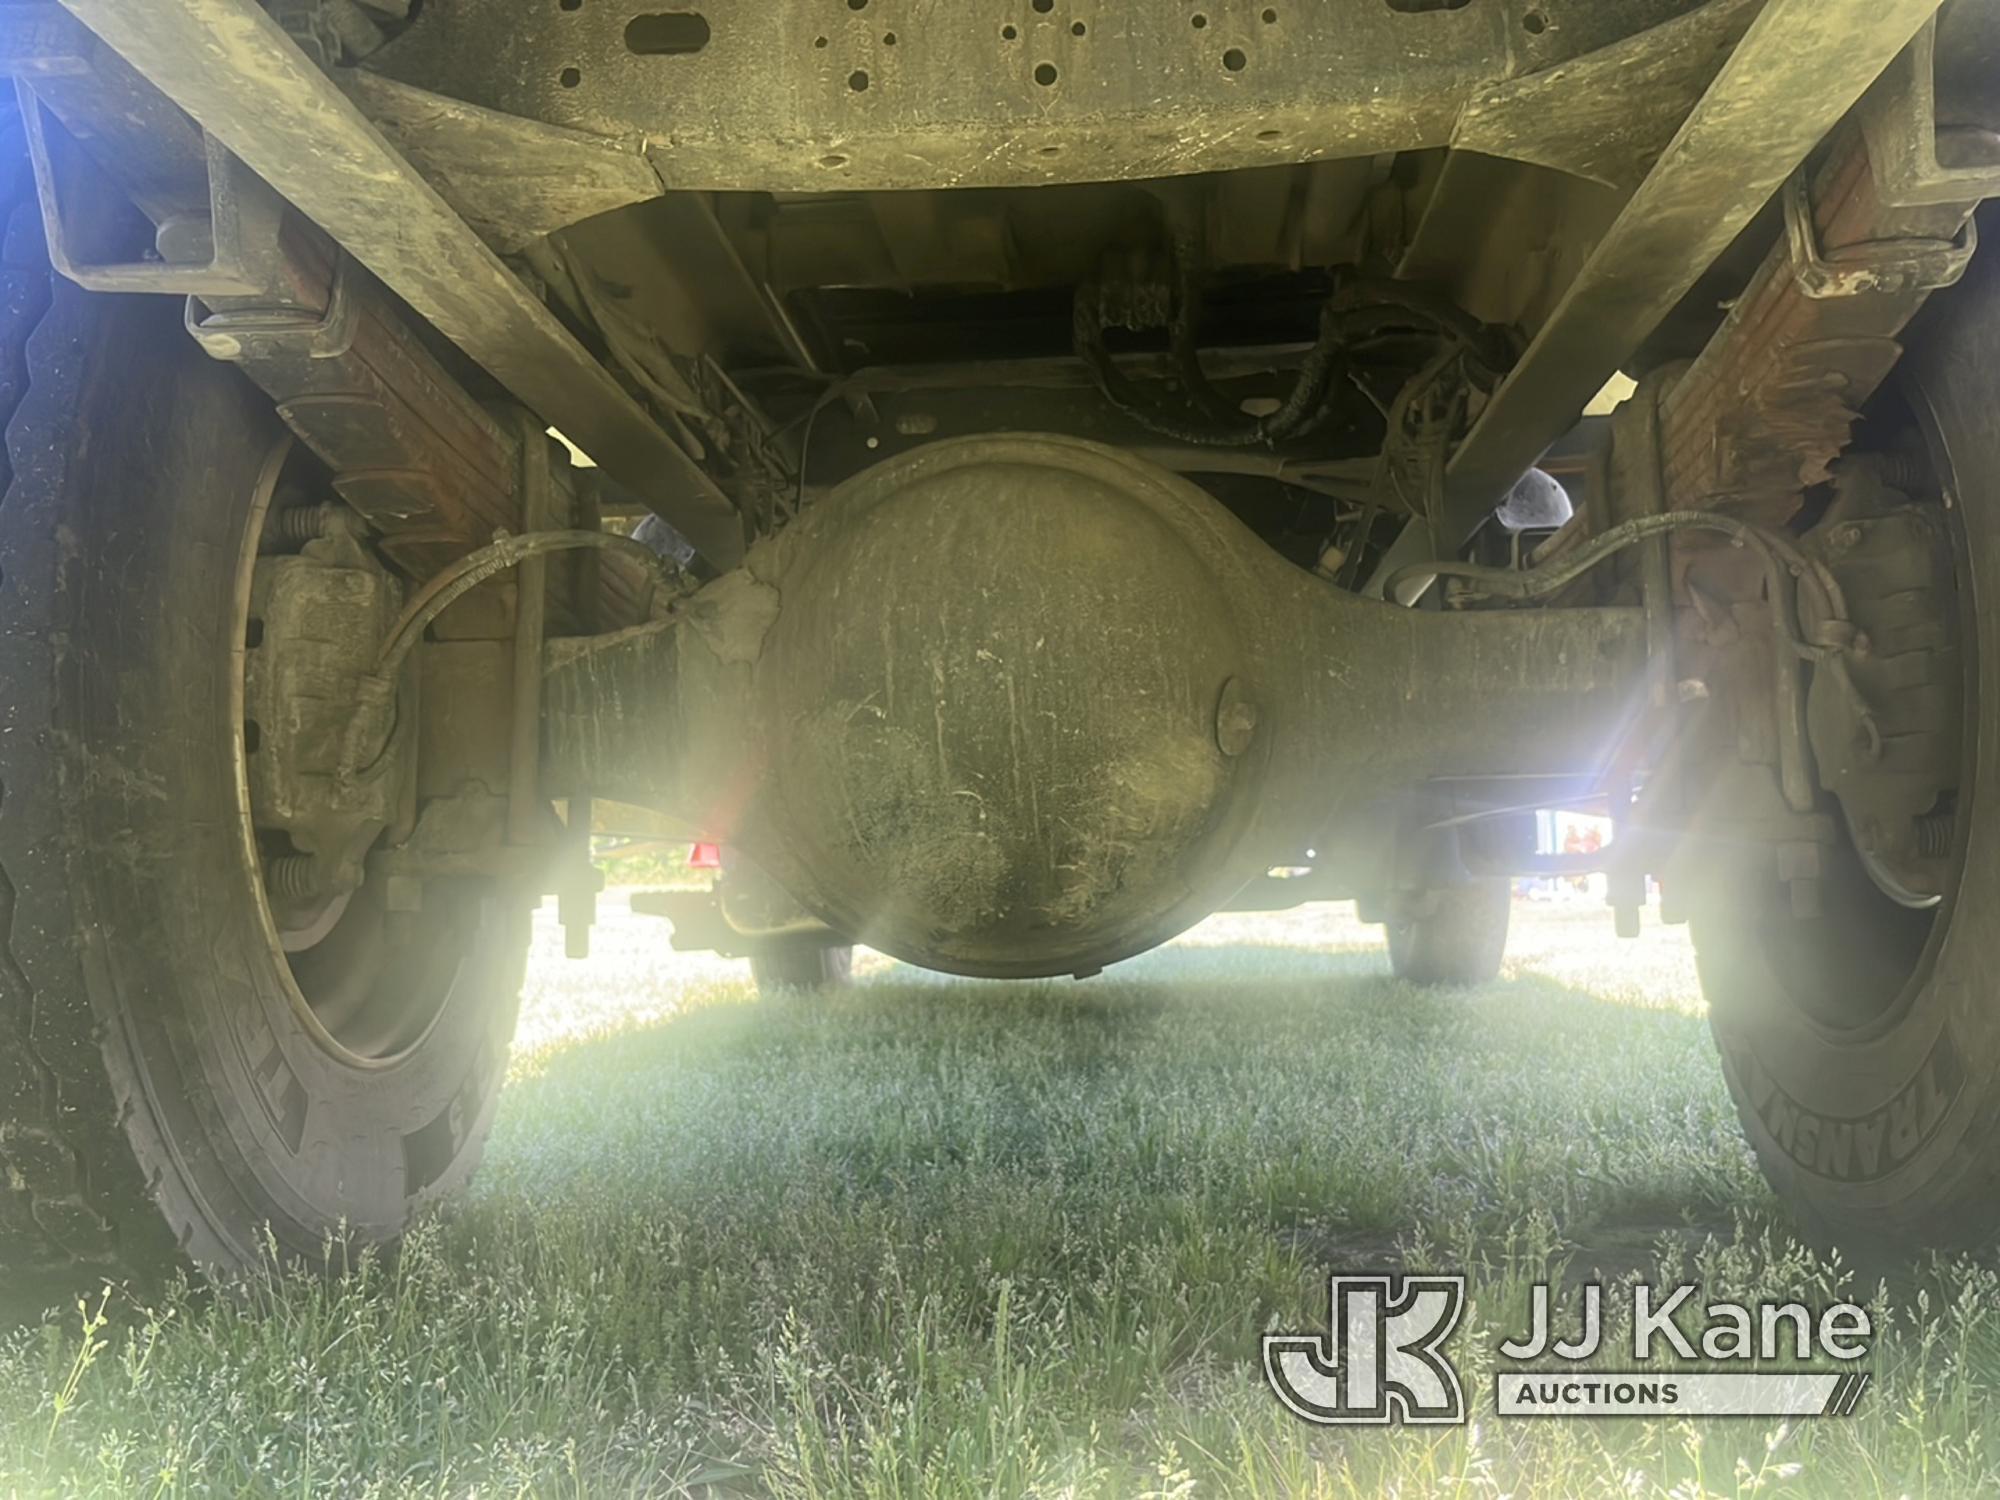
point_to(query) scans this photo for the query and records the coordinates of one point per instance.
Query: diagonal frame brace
(1799, 68)
(232, 68)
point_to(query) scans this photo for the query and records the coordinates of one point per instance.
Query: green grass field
(939, 1238)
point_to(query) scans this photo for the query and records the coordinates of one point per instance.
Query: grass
(936, 1238)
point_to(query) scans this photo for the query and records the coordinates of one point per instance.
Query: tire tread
(52, 1212)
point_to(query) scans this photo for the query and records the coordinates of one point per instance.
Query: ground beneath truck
(892, 1241)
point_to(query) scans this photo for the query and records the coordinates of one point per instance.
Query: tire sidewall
(1461, 939)
(239, 1115)
(1887, 1134)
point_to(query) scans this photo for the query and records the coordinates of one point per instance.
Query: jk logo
(1380, 1360)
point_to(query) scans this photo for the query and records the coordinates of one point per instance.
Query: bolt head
(1235, 719)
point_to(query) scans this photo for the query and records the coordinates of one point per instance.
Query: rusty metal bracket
(1890, 266)
(259, 333)
(241, 231)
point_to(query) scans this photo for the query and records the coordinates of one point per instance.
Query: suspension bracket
(1891, 266)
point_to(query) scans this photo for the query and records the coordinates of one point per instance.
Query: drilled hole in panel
(1045, 74)
(677, 33)
(858, 81)
(569, 78)
(1234, 60)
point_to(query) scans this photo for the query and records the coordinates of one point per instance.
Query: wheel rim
(1854, 973)
(367, 995)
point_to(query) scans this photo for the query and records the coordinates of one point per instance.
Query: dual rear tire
(173, 1083)
(1453, 936)
(801, 968)
(1862, 1046)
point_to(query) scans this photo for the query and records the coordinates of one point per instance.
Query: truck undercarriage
(1017, 476)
